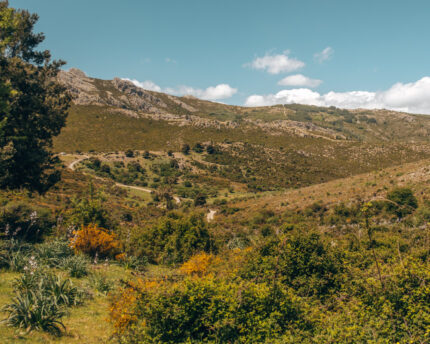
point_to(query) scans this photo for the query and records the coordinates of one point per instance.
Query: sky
(349, 54)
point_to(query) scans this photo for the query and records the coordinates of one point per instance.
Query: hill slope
(266, 148)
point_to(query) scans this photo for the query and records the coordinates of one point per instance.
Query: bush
(129, 153)
(403, 202)
(60, 291)
(185, 149)
(89, 210)
(206, 310)
(24, 222)
(95, 241)
(301, 261)
(174, 240)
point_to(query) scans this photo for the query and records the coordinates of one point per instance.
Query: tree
(129, 153)
(185, 149)
(402, 202)
(33, 105)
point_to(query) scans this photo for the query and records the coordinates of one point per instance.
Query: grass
(85, 324)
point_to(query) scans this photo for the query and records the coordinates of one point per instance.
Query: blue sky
(377, 52)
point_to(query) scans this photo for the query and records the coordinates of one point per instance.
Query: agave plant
(34, 311)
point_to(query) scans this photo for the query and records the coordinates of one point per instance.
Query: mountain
(266, 148)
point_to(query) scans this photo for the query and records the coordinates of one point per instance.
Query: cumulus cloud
(221, 91)
(411, 97)
(324, 55)
(299, 80)
(275, 64)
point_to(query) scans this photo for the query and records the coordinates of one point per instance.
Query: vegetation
(33, 106)
(283, 224)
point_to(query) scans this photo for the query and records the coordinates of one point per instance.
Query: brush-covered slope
(265, 147)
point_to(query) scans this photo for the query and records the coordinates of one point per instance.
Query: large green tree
(33, 105)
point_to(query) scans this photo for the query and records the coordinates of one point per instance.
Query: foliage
(88, 210)
(24, 222)
(76, 265)
(301, 261)
(100, 283)
(95, 241)
(175, 239)
(53, 253)
(198, 265)
(205, 310)
(403, 201)
(40, 300)
(34, 311)
(34, 106)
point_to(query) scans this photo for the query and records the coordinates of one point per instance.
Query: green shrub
(89, 210)
(174, 239)
(301, 261)
(402, 202)
(210, 310)
(24, 222)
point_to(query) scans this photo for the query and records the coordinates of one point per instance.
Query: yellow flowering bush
(93, 240)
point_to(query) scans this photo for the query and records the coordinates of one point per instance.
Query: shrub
(24, 222)
(199, 200)
(94, 240)
(301, 261)
(199, 264)
(403, 202)
(89, 210)
(174, 240)
(185, 149)
(198, 148)
(129, 153)
(135, 263)
(206, 310)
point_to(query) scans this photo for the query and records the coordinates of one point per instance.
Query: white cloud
(324, 55)
(169, 60)
(275, 64)
(221, 91)
(299, 80)
(411, 97)
(147, 84)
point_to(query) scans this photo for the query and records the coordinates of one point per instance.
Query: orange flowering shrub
(94, 240)
(199, 264)
(122, 310)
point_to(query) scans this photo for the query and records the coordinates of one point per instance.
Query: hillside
(266, 148)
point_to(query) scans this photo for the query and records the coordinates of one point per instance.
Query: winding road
(72, 165)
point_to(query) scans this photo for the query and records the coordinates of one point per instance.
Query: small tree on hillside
(33, 106)
(185, 149)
